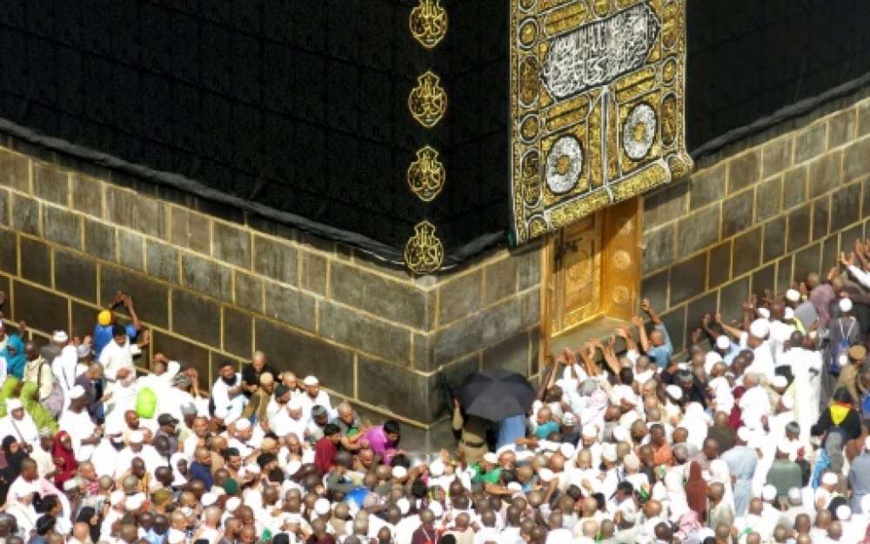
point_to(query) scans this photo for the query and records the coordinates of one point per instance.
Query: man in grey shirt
(859, 477)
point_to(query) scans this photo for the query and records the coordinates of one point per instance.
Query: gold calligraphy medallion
(428, 101)
(428, 23)
(426, 175)
(424, 252)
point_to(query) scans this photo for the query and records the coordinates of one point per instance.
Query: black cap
(166, 419)
(625, 487)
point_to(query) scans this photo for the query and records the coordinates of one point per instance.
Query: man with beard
(227, 391)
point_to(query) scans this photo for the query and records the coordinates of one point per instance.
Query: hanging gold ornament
(424, 252)
(426, 175)
(428, 23)
(428, 101)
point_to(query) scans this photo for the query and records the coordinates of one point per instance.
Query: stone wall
(758, 215)
(212, 283)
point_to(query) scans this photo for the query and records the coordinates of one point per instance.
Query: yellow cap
(104, 318)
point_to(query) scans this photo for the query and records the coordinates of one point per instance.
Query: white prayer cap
(400, 472)
(792, 295)
(780, 382)
(175, 536)
(77, 392)
(620, 434)
(744, 434)
(70, 484)
(243, 425)
(546, 475)
(310, 380)
(321, 507)
(845, 305)
(515, 486)
(490, 458)
(768, 493)
(209, 499)
(631, 461)
(59, 337)
(589, 431)
(711, 358)
(829, 478)
(436, 468)
(674, 391)
(116, 498)
(788, 314)
(787, 401)
(795, 496)
(13, 404)
(759, 328)
(608, 452)
(723, 342)
(233, 503)
(404, 506)
(133, 502)
(293, 467)
(295, 403)
(785, 446)
(567, 450)
(136, 437)
(844, 512)
(436, 509)
(764, 313)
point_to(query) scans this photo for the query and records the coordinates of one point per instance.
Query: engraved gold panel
(599, 83)
(426, 175)
(424, 252)
(428, 100)
(428, 23)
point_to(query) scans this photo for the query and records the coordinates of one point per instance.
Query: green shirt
(492, 477)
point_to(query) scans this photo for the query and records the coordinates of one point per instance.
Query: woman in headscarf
(64, 459)
(14, 456)
(88, 514)
(14, 355)
(719, 472)
(696, 491)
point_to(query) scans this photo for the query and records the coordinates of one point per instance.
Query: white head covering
(77, 392)
(829, 478)
(792, 295)
(674, 391)
(321, 507)
(60, 337)
(768, 493)
(233, 503)
(436, 468)
(845, 305)
(759, 328)
(13, 404)
(723, 342)
(722, 393)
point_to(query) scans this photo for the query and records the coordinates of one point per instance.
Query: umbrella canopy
(495, 394)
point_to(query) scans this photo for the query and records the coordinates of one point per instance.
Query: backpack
(841, 349)
(55, 400)
(146, 403)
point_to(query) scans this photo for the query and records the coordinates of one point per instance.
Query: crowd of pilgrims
(759, 433)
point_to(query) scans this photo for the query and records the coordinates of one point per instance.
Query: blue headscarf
(14, 363)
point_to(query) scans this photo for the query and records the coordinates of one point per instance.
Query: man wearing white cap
(18, 424)
(859, 477)
(824, 493)
(76, 421)
(755, 403)
(784, 474)
(844, 331)
(136, 447)
(742, 462)
(291, 419)
(757, 340)
(53, 349)
(315, 396)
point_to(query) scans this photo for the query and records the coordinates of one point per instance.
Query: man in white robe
(18, 424)
(76, 421)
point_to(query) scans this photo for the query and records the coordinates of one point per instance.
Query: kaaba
(303, 106)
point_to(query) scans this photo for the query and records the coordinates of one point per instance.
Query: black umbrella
(495, 394)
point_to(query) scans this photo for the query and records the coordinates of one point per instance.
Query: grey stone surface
(150, 297)
(41, 309)
(35, 261)
(206, 276)
(794, 187)
(707, 186)
(655, 288)
(386, 298)
(87, 195)
(856, 160)
(8, 252)
(697, 231)
(846, 207)
(62, 226)
(130, 209)
(237, 332)
(5, 197)
(511, 354)
(665, 205)
(275, 259)
(291, 306)
(25, 214)
(286, 348)
(529, 266)
(825, 173)
(732, 297)
(486, 328)
(810, 143)
(659, 247)
(821, 217)
(675, 321)
(15, 170)
(248, 291)
(378, 338)
(776, 157)
(768, 198)
(738, 213)
(460, 297)
(743, 171)
(688, 279)
(841, 127)
(784, 274)
(231, 244)
(747, 252)
(499, 280)
(196, 317)
(75, 274)
(131, 249)
(396, 389)
(808, 260)
(719, 267)
(422, 352)
(798, 227)
(764, 278)
(51, 183)
(313, 272)
(774, 238)
(191, 230)
(100, 240)
(161, 260)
